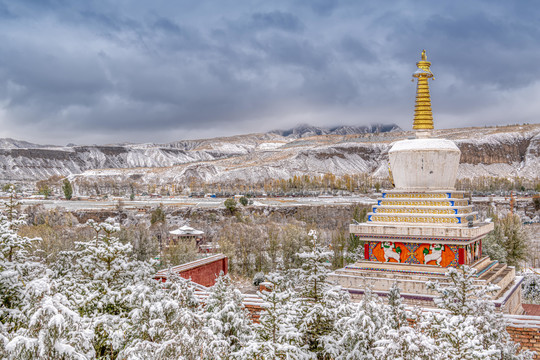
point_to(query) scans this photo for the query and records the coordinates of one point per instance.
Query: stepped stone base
(412, 281)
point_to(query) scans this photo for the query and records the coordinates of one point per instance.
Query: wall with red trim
(206, 274)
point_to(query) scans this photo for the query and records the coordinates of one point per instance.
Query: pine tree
(67, 189)
(470, 327)
(509, 242)
(95, 277)
(320, 304)
(36, 321)
(355, 334)
(17, 266)
(166, 321)
(52, 330)
(400, 339)
(276, 336)
(226, 320)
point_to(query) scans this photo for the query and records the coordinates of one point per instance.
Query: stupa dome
(424, 164)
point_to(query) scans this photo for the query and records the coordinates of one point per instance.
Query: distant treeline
(304, 185)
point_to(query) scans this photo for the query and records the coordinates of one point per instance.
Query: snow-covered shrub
(531, 288)
(258, 278)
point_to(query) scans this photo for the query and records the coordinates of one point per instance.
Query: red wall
(206, 274)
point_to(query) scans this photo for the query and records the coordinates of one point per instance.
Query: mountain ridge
(486, 151)
(300, 131)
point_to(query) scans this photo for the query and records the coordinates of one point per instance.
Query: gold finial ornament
(423, 116)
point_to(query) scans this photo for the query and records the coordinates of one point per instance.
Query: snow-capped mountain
(305, 130)
(491, 151)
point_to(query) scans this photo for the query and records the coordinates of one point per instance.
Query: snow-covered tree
(17, 266)
(509, 242)
(470, 327)
(226, 320)
(275, 336)
(52, 330)
(165, 323)
(531, 288)
(320, 304)
(401, 339)
(356, 333)
(101, 268)
(96, 277)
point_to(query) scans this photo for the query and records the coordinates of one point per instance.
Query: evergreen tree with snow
(470, 327)
(356, 333)
(509, 242)
(320, 304)
(399, 339)
(52, 329)
(95, 277)
(226, 320)
(275, 336)
(17, 266)
(36, 320)
(101, 267)
(166, 321)
(531, 288)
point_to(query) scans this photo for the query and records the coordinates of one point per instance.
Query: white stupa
(423, 226)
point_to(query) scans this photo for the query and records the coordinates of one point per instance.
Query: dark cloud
(277, 20)
(101, 72)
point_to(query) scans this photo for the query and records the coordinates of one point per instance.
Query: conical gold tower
(423, 117)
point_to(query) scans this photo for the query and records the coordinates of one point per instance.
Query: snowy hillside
(492, 151)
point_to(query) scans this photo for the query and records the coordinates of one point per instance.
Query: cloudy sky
(157, 71)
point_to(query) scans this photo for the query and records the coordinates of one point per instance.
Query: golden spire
(423, 117)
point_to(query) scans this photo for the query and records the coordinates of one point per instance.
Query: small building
(186, 233)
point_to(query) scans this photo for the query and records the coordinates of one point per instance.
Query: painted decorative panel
(413, 253)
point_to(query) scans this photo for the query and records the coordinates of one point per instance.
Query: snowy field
(113, 203)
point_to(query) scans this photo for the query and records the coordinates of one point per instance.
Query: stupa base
(412, 281)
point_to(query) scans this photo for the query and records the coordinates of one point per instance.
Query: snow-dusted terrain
(491, 151)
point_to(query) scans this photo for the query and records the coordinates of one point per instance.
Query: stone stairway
(412, 279)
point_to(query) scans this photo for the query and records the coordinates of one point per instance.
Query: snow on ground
(74, 205)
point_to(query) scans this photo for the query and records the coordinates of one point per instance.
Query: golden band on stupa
(423, 116)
